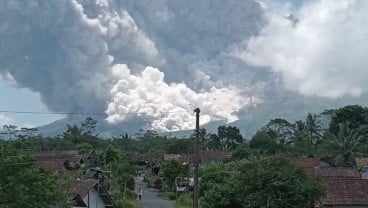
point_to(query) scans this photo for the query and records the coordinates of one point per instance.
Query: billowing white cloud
(69, 52)
(168, 106)
(324, 53)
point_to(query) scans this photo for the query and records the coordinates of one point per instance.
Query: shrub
(184, 200)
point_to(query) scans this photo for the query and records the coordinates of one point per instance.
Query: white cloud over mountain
(323, 53)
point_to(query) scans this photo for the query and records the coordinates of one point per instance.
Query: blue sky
(17, 99)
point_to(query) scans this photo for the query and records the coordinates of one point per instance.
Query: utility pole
(196, 161)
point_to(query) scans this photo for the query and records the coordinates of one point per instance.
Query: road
(150, 198)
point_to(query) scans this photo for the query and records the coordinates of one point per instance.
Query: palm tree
(343, 146)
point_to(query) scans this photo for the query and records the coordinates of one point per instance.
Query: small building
(335, 172)
(321, 168)
(362, 164)
(344, 193)
(206, 157)
(89, 193)
(309, 162)
(182, 158)
(70, 155)
(58, 161)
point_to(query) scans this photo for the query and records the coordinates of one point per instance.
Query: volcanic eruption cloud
(149, 60)
(319, 50)
(154, 61)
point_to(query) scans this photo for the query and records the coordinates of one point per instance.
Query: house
(182, 158)
(140, 159)
(344, 186)
(208, 156)
(335, 172)
(344, 193)
(56, 165)
(362, 164)
(71, 156)
(321, 168)
(309, 162)
(58, 161)
(89, 193)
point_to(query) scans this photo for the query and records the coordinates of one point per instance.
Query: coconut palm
(343, 146)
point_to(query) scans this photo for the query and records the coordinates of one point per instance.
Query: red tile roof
(52, 165)
(71, 156)
(345, 192)
(334, 172)
(305, 162)
(81, 187)
(210, 156)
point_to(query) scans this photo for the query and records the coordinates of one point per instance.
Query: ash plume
(133, 57)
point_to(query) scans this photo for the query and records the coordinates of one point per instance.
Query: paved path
(150, 198)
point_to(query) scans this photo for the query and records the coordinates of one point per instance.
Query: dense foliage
(22, 185)
(258, 175)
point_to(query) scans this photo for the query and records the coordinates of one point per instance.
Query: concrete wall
(95, 201)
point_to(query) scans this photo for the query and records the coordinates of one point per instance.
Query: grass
(129, 203)
(182, 201)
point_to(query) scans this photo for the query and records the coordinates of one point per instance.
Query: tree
(343, 146)
(83, 133)
(84, 148)
(227, 138)
(273, 182)
(270, 182)
(354, 116)
(313, 129)
(282, 128)
(265, 141)
(171, 170)
(22, 185)
(242, 151)
(180, 146)
(112, 155)
(218, 187)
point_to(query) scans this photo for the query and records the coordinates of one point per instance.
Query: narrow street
(150, 198)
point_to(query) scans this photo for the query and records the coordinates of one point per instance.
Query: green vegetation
(257, 175)
(21, 185)
(269, 182)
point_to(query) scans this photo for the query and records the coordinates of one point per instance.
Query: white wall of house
(95, 201)
(364, 174)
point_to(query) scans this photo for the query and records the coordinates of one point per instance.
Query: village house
(85, 193)
(209, 156)
(59, 161)
(181, 158)
(89, 193)
(345, 187)
(344, 193)
(362, 164)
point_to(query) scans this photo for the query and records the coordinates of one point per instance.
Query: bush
(184, 200)
(127, 203)
(171, 195)
(148, 182)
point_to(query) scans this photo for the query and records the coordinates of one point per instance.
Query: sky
(153, 61)
(22, 99)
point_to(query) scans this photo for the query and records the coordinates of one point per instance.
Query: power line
(80, 113)
(50, 113)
